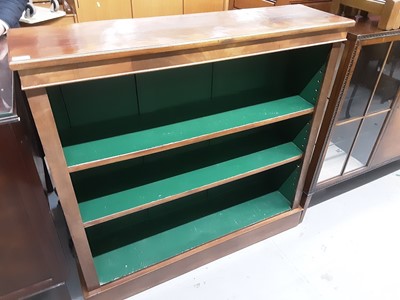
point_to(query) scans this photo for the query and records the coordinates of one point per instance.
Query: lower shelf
(118, 253)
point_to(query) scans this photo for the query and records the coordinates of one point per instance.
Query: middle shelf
(141, 197)
(112, 191)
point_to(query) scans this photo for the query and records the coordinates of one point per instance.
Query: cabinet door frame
(348, 63)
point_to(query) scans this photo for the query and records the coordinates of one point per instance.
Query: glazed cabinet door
(363, 112)
(94, 10)
(389, 146)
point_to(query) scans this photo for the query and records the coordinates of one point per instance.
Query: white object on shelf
(42, 14)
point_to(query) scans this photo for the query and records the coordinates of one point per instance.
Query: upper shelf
(118, 148)
(124, 46)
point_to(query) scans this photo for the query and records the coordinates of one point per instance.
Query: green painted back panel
(92, 110)
(179, 184)
(174, 95)
(251, 80)
(100, 100)
(96, 109)
(305, 64)
(153, 247)
(59, 110)
(152, 138)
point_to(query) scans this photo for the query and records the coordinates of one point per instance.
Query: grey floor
(347, 248)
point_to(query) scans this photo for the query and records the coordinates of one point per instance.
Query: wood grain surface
(92, 41)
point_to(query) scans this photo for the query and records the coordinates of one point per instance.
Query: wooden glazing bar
(378, 79)
(391, 111)
(365, 111)
(339, 178)
(344, 122)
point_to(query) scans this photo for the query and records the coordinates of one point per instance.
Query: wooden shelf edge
(187, 193)
(192, 259)
(127, 156)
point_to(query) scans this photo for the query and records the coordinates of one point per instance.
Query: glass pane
(365, 142)
(363, 81)
(389, 83)
(338, 149)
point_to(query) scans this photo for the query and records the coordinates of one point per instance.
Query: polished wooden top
(102, 40)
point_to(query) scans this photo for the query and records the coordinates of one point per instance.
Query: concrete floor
(346, 248)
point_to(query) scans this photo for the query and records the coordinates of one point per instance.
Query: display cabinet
(360, 127)
(173, 141)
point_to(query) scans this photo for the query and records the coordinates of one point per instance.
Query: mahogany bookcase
(173, 141)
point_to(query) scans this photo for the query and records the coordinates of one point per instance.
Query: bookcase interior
(166, 161)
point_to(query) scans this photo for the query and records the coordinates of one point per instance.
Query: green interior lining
(111, 189)
(126, 245)
(174, 133)
(108, 117)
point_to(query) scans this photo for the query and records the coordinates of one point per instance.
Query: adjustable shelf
(138, 198)
(131, 145)
(177, 140)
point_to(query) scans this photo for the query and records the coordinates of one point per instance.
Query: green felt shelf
(138, 198)
(132, 256)
(90, 154)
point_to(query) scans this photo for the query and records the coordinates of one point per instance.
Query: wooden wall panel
(152, 8)
(93, 10)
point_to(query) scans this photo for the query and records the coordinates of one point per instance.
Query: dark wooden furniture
(176, 140)
(360, 130)
(31, 257)
(388, 10)
(324, 5)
